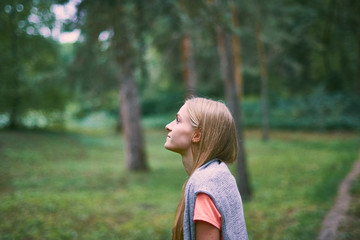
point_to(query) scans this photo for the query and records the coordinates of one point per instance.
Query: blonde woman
(204, 134)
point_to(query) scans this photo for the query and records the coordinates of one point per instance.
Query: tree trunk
(130, 112)
(237, 56)
(119, 125)
(15, 84)
(140, 35)
(263, 76)
(224, 41)
(125, 54)
(358, 54)
(188, 65)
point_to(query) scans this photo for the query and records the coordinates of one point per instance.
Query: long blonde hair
(218, 140)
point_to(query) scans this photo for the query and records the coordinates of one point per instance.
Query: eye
(177, 119)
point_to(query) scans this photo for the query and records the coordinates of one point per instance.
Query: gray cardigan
(215, 179)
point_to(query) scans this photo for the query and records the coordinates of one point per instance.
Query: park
(82, 122)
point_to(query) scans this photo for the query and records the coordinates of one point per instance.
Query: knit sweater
(215, 179)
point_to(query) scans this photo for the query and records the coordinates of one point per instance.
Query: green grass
(74, 186)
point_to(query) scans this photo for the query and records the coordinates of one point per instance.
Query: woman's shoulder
(211, 173)
(212, 168)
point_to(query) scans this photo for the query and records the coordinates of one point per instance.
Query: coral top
(205, 210)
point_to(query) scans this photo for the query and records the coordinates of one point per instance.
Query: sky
(62, 13)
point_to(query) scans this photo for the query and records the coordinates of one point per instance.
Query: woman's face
(180, 133)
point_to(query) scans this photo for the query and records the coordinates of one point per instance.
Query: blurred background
(97, 81)
(61, 61)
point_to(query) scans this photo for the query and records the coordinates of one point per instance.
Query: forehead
(183, 111)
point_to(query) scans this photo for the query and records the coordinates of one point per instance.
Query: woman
(204, 134)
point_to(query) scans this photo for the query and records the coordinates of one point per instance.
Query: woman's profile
(204, 134)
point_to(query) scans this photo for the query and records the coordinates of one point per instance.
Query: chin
(171, 149)
(168, 147)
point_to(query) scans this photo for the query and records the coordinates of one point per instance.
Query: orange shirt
(205, 210)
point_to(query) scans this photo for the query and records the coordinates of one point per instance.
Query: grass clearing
(74, 186)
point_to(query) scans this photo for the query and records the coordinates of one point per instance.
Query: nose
(168, 127)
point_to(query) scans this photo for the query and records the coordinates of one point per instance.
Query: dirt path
(337, 213)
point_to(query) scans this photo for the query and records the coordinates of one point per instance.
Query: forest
(300, 58)
(280, 66)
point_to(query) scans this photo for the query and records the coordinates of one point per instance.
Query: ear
(196, 137)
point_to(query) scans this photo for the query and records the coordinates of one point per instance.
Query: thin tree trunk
(358, 54)
(237, 56)
(130, 112)
(263, 75)
(188, 65)
(15, 84)
(141, 26)
(224, 41)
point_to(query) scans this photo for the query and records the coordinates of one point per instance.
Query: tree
(311, 44)
(119, 19)
(188, 64)
(263, 73)
(187, 55)
(227, 66)
(227, 69)
(29, 60)
(125, 53)
(15, 96)
(237, 53)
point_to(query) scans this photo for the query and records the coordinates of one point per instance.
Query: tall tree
(225, 50)
(140, 35)
(237, 52)
(228, 43)
(119, 19)
(125, 53)
(263, 72)
(188, 64)
(226, 54)
(15, 96)
(358, 54)
(187, 52)
(29, 59)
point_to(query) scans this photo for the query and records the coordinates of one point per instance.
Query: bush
(317, 111)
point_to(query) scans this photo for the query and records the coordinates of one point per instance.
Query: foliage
(160, 104)
(68, 186)
(319, 111)
(31, 75)
(316, 111)
(309, 45)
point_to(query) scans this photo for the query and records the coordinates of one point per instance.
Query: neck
(187, 160)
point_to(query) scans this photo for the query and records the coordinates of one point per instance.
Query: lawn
(74, 186)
